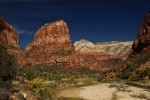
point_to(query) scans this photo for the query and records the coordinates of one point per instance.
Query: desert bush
(44, 92)
(7, 64)
(140, 73)
(4, 94)
(130, 68)
(124, 75)
(36, 83)
(57, 72)
(134, 77)
(147, 72)
(44, 80)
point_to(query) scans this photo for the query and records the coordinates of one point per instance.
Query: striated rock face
(116, 49)
(142, 43)
(97, 61)
(51, 44)
(9, 37)
(101, 56)
(52, 34)
(8, 34)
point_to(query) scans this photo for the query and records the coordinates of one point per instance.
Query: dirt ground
(106, 91)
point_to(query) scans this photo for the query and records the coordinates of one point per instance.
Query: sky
(94, 20)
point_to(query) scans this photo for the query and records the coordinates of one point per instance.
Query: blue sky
(94, 20)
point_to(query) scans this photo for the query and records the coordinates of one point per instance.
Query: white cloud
(21, 31)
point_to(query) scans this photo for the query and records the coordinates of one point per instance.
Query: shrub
(4, 94)
(41, 90)
(46, 93)
(7, 64)
(124, 75)
(140, 73)
(130, 68)
(36, 83)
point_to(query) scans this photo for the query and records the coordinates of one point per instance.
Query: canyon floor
(105, 91)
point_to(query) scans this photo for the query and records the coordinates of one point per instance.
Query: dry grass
(69, 98)
(141, 96)
(114, 96)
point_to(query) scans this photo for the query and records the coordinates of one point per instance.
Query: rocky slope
(142, 43)
(8, 34)
(137, 66)
(117, 49)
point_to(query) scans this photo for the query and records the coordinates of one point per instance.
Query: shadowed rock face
(8, 34)
(142, 43)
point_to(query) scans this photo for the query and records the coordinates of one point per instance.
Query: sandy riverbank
(107, 91)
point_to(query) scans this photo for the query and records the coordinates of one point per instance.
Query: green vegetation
(7, 65)
(7, 72)
(43, 81)
(131, 68)
(57, 72)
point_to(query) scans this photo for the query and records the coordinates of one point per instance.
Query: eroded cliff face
(142, 43)
(97, 61)
(116, 49)
(51, 44)
(101, 56)
(9, 37)
(54, 35)
(8, 34)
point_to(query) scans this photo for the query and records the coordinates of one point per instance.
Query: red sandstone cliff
(142, 43)
(8, 34)
(51, 44)
(9, 37)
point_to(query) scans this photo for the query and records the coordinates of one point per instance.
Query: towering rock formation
(51, 44)
(8, 34)
(142, 43)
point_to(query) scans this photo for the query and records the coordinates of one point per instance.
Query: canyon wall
(52, 45)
